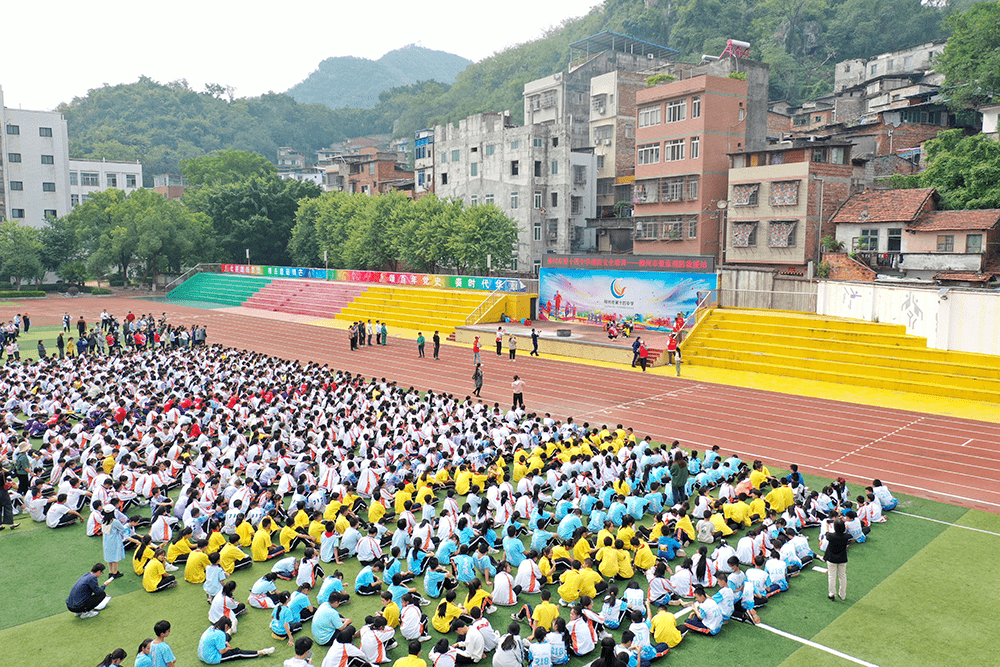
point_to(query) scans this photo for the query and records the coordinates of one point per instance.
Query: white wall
(965, 321)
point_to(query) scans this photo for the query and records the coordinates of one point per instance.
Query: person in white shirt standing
(517, 386)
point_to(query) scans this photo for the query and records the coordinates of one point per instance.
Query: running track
(942, 458)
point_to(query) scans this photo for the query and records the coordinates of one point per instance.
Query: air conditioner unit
(558, 76)
(649, 55)
(607, 142)
(597, 142)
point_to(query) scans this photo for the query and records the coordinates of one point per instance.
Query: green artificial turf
(28, 342)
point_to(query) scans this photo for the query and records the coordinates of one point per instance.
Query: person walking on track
(518, 388)
(437, 343)
(500, 333)
(635, 350)
(534, 343)
(477, 379)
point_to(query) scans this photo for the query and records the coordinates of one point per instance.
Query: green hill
(357, 82)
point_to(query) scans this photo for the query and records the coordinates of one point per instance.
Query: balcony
(880, 261)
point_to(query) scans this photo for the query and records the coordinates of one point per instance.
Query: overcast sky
(60, 50)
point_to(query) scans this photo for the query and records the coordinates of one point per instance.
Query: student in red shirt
(643, 356)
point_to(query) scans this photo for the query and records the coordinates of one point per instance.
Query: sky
(254, 46)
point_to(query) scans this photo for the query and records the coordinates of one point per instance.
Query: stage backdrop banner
(650, 298)
(481, 283)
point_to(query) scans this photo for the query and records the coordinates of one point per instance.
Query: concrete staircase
(322, 299)
(417, 308)
(838, 350)
(220, 288)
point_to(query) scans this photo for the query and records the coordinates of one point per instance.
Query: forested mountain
(161, 124)
(357, 82)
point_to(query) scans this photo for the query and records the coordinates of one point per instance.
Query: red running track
(942, 458)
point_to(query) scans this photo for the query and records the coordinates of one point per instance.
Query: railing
(804, 302)
(205, 267)
(880, 260)
(476, 316)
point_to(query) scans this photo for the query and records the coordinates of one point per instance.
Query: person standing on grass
(643, 356)
(518, 388)
(61, 345)
(534, 343)
(437, 343)
(420, 345)
(836, 559)
(512, 347)
(26, 321)
(477, 379)
(476, 359)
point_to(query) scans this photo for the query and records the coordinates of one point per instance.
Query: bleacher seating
(322, 299)
(414, 307)
(219, 288)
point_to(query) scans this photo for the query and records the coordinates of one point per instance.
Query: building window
(74, 200)
(874, 69)
(745, 235)
(514, 145)
(604, 132)
(473, 169)
(444, 179)
(946, 243)
(48, 187)
(868, 240)
(48, 159)
(16, 186)
(895, 240)
(17, 213)
(74, 178)
(555, 167)
(513, 263)
(13, 129)
(456, 156)
(514, 201)
(13, 157)
(444, 157)
(537, 142)
(648, 116)
(692, 188)
(575, 204)
(50, 213)
(538, 199)
(819, 155)
(371, 168)
(647, 229)
(781, 234)
(538, 168)
(554, 197)
(745, 195)
(648, 154)
(555, 141)
(515, 167)
(538, 231)
(474, 149)
(491, 149)
(672, 189)
(579, 174)
(488, 199)
(676, 111)
(90, 178)
(673, 229)
(474, 200)
(974, 243)
(785, 193)
(629, 131)
(673, 150)
(695, 147)
(45, 131)
(693, 227)
(696, 106)
(112, 180)
(131, 180)
(600, 162)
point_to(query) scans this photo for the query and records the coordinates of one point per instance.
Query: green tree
(422, 232)
(225, 167)
(256, 214)
(20, 253)
(370, 235)
(96, 223)
(965, 171)
(971, 59)
(59, 244)
(481, 232)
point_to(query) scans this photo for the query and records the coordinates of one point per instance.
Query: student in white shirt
(471, 648)
(707, 616)
(582, 641)
(60, 515)
(377, 640)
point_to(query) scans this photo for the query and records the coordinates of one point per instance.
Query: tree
(965, 171)
(256, 214)
(20, 253)
(482, 232)
(971, 59)
(370, 235)
(422, 232)
(225, 167)
(59, 244)
(97, 227)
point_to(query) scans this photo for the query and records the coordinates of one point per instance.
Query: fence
(207, 267)
(751, 288)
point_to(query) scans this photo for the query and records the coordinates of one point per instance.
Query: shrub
(823, 269)
(100, 290)
(742, 76)
(26, 294)
(658, 79)
(73, 291)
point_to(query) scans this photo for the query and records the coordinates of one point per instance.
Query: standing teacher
(836, 559)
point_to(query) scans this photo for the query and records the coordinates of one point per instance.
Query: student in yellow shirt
(664, 626)
(231, 557)
(290, 537)
(625, 569)
(546, 566)
(143, 553)
(413, 659)
(261, 549)
(216, 540)
(776, 499)
(543, 614)
(626, 532)
(447, 611)
(477, 597)
(591, 581)
(244, 530)
(155, 577)
(463, 480)
(758, 510)
(685, 532)
(572, 580)
(607, 557)
(400, 498)
(197, 562)
(390, 610)
(644, 558)
(178, 550)
(582, 548)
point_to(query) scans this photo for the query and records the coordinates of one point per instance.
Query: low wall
(564, 347)
(961, 320)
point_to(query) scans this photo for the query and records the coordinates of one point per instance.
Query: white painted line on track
(827, 649)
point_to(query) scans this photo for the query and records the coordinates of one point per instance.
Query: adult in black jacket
(836, 559)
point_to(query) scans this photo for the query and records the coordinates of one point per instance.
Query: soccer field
(921, 592)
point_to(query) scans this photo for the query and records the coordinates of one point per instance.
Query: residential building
(423, 163)
(290, 159)
(89, 176)
(781, 200)
(34, 161)
(991, 120)
(531, 172)
(612, 134)
(901, 232)
(890, 70)
(304, 175)
(171, 186)
(684, 130)
(374, 173)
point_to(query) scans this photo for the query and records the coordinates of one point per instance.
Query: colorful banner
(482, 283)
(650, 299)
(692, 263)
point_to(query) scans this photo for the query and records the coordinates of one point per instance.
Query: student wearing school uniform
(884, 496)
(377, 640)
(154, 576)
(582, 637)
(706, 619)
(327, 621)
(214, 647)
(224, 605)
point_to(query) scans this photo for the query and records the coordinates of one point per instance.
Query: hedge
(100, 290)
(25, 294)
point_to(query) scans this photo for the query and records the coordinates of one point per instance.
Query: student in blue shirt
(616, 511)
(597, 517)
(539, 517)
(436, 579)
(213, 647)
(667, 545)
(367, 583)
(143, 658)
(328, 621)
(300, 604)
(159, 650)
(283, 623)
(513, 548)
(332, 584)
(654, 498)
(447, 548)
(636, 506)
(606, 495)
(587, 500)
(484, 562)
(540, 539)
(464, 565)
(563, 509)
(568, 525)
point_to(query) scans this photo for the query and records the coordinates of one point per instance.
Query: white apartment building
(89, 176)
(34, 160)
(423, 162)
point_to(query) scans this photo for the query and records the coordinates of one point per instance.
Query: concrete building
(423, 163)
(887, 70)
(171, 186)
(901, 233)
(531, 172)
(290, 159)
(89, 176)
(991, 120)
(781, 201)
(34, 161)
(306, 174)
(684, 130)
